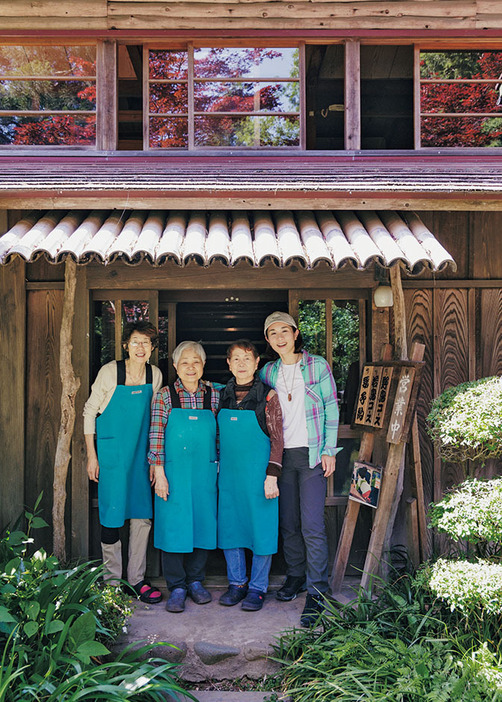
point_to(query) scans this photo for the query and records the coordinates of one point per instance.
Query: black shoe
(314, 607)
(254, 601)
(292, 586)
(233, 595)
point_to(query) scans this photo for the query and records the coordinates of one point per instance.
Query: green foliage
(466, 421)
(473, 511)
(54, 624)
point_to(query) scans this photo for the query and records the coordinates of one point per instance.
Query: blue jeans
(236, 569)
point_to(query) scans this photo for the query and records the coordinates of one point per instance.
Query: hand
(93, 469)
(160, 482)
(271, 488)
(328, 465)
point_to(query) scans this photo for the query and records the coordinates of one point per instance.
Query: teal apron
(124, 490)
(187, 520)
(246, 519)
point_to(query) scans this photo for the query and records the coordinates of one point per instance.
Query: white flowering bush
(466, 421)
(473, 512)
(467, 586)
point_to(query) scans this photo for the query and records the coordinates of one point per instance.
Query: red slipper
(146, 593)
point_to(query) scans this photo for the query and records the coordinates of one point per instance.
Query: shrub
(468, 587)
(466, 421)
(473, 511)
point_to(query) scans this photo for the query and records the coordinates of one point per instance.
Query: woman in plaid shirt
(182, 457)
(307, 394)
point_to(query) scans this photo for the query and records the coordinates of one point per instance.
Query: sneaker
(176, 601)
(198, 593)
(314, 607)
(233, 595)
(253, 601)
(291, 587)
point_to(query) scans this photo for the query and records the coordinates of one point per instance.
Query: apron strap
(121, 373)
(175, 398)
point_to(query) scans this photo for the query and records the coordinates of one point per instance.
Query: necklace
(135, 380)
(290, 392)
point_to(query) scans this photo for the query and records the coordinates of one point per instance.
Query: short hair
(195, 345)
(245, 345)
(146, 328)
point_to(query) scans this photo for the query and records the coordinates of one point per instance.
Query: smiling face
(190, 368)
(281, 338)
(139, 347)
(243, 365)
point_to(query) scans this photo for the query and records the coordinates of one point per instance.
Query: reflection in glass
(245, 62)
(168, 97)
(168, 65)
(459, 97)
(461, 131)
(47, 95)
(135, 311)
(247, 131)
(246, 97)
(48, 60)
(168, 132)
(312, 324)
(460, 64)
(104, 334)
(53, 130)
(345, 361)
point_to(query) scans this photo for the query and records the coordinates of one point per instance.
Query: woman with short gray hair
(183, 459)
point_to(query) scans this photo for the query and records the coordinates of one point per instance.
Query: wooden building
(204, 163)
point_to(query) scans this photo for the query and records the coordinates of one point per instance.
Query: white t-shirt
(294, 421)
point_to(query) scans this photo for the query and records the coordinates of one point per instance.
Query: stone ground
(217, 643)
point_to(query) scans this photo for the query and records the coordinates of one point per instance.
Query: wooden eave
(226, 182)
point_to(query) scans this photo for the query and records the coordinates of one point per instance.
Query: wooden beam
(70, 385)
(399, 313)
(107, 97)
(12, 394)
(352, 115)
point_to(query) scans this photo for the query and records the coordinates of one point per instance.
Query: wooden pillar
(12, 392)
(352, 95)
(79, 499)
(106, 96)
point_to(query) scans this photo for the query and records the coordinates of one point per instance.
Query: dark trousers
(181, 569)
(302, 493)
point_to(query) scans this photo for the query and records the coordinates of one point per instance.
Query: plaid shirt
(161, 409)
(321, 403)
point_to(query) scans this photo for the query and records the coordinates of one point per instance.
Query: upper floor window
(200, 97)
(460, 98)
(48, 95)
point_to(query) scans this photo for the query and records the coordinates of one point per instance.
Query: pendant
(289, 397)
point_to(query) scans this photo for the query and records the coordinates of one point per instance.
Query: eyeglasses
(135, 344)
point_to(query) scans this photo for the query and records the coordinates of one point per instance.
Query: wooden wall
(246, 14)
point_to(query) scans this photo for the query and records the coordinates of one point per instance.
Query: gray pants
(139, 531)
(302, 493)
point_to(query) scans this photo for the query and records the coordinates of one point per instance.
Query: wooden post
(352, 94)
(418, 484)
(352, 511)
(70, 385)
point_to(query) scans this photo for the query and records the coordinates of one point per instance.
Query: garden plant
(56, 628)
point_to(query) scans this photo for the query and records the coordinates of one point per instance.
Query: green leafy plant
(466, 421)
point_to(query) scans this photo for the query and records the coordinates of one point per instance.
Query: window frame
(24, 41)
(192, 114)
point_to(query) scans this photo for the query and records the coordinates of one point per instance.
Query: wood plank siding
(246, 14)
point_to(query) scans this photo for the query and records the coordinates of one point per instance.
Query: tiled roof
(340, 238)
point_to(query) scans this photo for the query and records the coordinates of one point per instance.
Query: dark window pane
(312, 324)
(135, 311)
(245, 62)
(168, 65)
(461, 131)
(247, 131)
(48, 60)
(459, 97)
(345, 314)
(460, 64)
(104, 335)
(53, 130)
(47, 95)
(168, 132)
(246, 97)
(169, 97)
